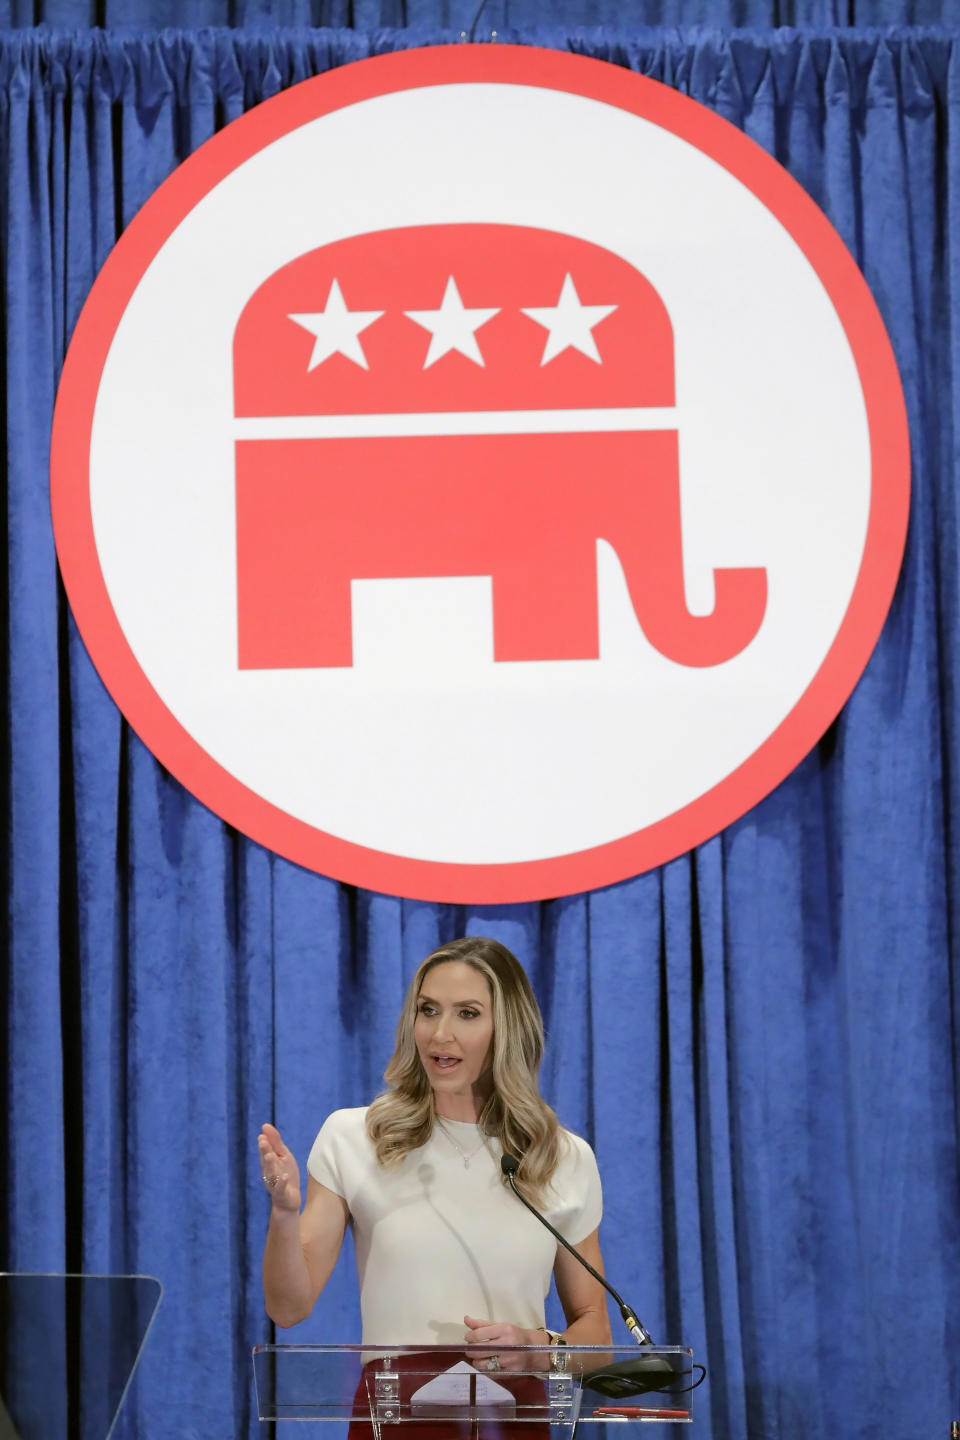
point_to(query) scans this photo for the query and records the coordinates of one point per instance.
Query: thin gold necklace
(464, 1156)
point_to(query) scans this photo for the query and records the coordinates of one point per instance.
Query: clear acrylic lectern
(374, 1389)
(69, 1345)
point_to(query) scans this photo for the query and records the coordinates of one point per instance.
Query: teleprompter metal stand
(471, 1392)
(69, 1345)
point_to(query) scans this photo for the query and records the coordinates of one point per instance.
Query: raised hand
(280, 1171)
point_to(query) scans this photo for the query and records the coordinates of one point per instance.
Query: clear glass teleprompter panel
(69, 1345)
(544, 1386)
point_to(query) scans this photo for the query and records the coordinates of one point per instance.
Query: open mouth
(445, 1062)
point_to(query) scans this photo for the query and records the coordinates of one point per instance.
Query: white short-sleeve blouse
(437, 1239)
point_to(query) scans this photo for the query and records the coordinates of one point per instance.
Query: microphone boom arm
(509, 1165)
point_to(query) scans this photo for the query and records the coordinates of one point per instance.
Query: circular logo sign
(480, 473)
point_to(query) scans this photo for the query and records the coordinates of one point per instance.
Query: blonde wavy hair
(402, 1118)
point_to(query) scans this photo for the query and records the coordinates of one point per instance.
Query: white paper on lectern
(452, 1387)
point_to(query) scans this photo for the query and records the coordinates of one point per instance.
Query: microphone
(625, 1377)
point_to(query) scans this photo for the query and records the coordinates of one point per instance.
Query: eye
(469, 1014)
(425, 1009)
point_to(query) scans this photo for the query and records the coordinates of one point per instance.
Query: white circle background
(425, 747)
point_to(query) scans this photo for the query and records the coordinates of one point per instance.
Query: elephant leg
(293, 597)
(545, 601)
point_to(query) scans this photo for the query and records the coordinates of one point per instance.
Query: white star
(451, 327)
(336, 329)
(570, 324)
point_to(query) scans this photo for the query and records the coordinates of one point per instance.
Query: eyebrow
(478, 1003)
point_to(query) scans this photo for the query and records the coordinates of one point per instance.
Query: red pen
(636, 1412)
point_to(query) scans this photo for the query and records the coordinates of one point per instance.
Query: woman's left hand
(494, 1333)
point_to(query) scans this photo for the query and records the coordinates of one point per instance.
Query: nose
(442, 1029)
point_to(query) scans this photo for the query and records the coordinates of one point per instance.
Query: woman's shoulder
(341, 1150)
(352, 1118)
(575, 1188)
(576, 1155)
(571, 1142)
(348, 1124)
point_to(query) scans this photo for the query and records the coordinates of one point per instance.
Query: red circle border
(524, 880)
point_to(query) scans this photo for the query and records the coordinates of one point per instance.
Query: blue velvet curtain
(454, 14)
(760, 1038)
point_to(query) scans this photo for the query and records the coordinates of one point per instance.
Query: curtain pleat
(462, 14)
(760, 1038)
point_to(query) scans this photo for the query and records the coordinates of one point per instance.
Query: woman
(446, 1253)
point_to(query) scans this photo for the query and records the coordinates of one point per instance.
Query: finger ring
(494, 1362)
(270, 1180)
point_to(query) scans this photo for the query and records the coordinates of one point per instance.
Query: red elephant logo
(466, 399)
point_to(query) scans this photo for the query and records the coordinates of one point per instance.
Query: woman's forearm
(287, 1287)
(592, 1327)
